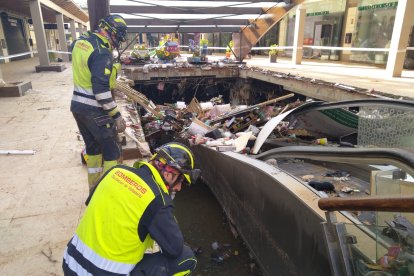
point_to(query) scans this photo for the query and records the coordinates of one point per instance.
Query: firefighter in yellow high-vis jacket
(93, 106)
(131, 208)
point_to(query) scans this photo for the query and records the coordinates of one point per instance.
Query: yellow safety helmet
(116, 25)
(180, 157)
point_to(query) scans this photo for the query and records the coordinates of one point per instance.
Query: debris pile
(213, 123)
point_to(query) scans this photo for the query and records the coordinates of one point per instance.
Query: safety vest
(83, 94)
(107, 235)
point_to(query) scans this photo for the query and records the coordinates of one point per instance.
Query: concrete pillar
(73, 30)
(298, 36)
(62, 37)
(27, 32)
(283, 26)
(36, 14)
(80, 29)
(97, 9)
(399, 39)
(3, 51)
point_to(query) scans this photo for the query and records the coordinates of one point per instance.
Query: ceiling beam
(49, 4)
(211, 21)
(183, 29)
(136, 9)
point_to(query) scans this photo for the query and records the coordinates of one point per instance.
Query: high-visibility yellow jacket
(94, 75)
(113, 234)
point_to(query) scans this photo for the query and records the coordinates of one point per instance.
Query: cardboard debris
(198, 127)
(212, 123)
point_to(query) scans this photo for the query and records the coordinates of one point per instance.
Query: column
(5, 51)
(298, 36)
(62, 37)
(80, 28)
(2, 83)
(399, 39)
(73, 30)
(97, 9)
(283, 25)
(36, 14)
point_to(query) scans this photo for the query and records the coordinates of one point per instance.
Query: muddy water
(203, 222)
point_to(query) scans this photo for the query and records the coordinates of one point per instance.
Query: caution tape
(59, 52)
(253, 48)
(17, 55)
(31, 52)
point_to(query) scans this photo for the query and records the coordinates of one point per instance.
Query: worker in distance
(92, 105)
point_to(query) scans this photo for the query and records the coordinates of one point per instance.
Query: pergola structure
(247, 20)
(190, 16)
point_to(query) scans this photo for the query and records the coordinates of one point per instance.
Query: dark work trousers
(99, 134)
(158, 264)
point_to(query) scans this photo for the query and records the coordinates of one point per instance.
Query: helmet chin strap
(116, 46)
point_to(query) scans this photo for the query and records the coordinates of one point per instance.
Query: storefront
(323, 27)
(13, 37)
(373, 29)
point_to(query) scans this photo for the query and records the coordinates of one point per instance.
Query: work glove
(120, 124)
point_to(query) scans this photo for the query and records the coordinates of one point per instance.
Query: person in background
(130, 208)
(93, 105)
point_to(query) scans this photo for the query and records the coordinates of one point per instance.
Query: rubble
(213, 123)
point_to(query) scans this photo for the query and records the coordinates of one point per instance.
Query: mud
(203, 222)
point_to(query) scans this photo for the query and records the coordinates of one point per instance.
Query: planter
(380, 59)
(272, 58)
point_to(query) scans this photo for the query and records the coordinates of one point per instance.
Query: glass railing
(390, 251)
(376, 237)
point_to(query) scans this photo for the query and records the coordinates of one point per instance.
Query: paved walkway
(367, 77)
(42, 195)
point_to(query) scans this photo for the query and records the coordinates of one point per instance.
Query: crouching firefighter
(93, 105)
(129, 209)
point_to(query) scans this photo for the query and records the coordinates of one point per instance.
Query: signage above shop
(317, 13)
(378, 6)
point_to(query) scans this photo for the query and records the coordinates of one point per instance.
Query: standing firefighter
(93, 106)
(128, 210)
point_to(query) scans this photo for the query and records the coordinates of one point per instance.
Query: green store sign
(378, 6)
(317, 13)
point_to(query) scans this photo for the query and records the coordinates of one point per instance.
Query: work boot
(94, 164)
(108, 165)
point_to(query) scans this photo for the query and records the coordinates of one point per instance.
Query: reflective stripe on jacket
(110, 235)
(93, 75)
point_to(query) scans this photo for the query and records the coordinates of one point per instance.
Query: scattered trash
(321, 141)
(337, 174)
(197, 251)
(17, 152)
(272, 162)
(348, 190)
(307, 177)
(221, 252)
(322, 186)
